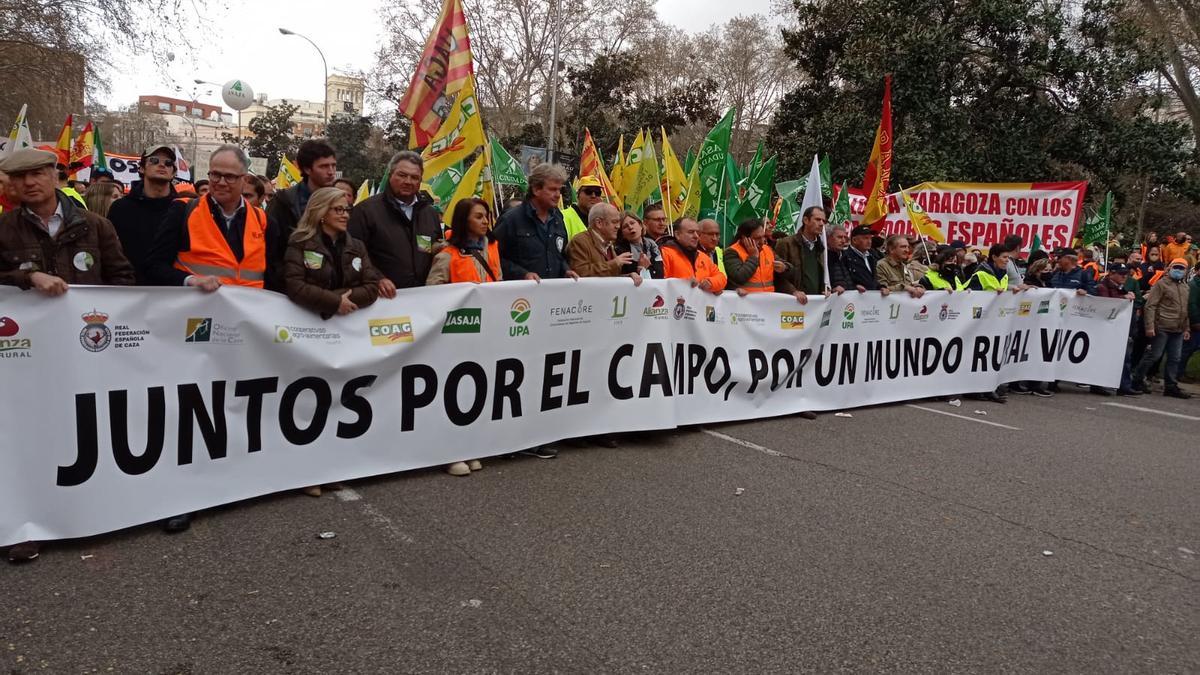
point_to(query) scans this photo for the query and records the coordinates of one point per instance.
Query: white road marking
(375, 515)
(347, 495)
(963, 417)
(1152, 410)
(744, 444)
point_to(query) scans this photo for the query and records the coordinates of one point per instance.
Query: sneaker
(458, 469)
(312, 491)
(1139, 387)
(24, 552)
(1176, 392)
(1041, 393)
(1129, 392)
(1017, 388)
(177, 524)
(474, 465)
(1101, 391)
(809, 415)
(542, 452)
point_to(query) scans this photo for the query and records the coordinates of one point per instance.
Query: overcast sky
(248, 46)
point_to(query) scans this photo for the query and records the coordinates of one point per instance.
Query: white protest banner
(127, 405)
(125, 169)
(982, 214)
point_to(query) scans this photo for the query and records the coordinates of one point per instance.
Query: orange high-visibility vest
(463, 264)
(763, 280)
(1092, 267)
(210, 254)
(1157, 275)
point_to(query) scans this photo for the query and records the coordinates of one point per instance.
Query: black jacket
(136, 218)
(527, 245)
(862, 273)
(839, 274)
(646, 246)
(402, 249)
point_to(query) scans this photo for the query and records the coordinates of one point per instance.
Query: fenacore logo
(570, 315)
(466, 320)
(96, 336)
(11, 346)
(791, 320)
(390, 331)
(658, 308)
(519, 312)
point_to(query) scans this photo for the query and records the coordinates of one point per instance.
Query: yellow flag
(364, 191)
(289, 174)
(921, 221)
(691, 209)
(616, 175)
(476, 182)
(633, 162)
(674, 181)
(647, 177)
(459, 136)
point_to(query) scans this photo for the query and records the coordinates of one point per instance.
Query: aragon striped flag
(444, 66)
(591, 163)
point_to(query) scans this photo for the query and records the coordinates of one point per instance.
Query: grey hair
(894, 239)
(600, 212)
(545, 172)
(406, 156)
(239, 153)
(835, 228)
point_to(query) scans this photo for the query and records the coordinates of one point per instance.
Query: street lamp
(284, 31)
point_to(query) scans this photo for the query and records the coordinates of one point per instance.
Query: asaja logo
(198, 330)
(390, 331)
(680, 308)
(1044, 307)
(848, 316)
(519, 312)
(1025, 308)
(791, 320)
(466, 320)
(96, 335)
(11, 346)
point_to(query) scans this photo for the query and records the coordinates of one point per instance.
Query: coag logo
(466, 320)
(791, 320)
(390, 331)
(519, 312)
(198, 330)
(1025, 308)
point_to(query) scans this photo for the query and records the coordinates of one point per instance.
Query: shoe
(1176, 392)
(605, 441)
(177, 524)
(542, 452)
(1129, 392)
(995, 398)
(809, 415)
(1139, 388)
(312, 491)
(1100, 391)
(24, 552)
(1017, 388)
(474, 465)
(458, 469)
(1041, 393)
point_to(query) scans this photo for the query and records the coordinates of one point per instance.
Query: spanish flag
(63, 147)
(879, 167)
(591, 163)
(444, 67)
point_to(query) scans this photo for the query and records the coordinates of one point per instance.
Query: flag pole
(487, 152)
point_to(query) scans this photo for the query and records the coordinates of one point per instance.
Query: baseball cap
(150, 150)
(862, 231)
(28, 159)
(589, 181)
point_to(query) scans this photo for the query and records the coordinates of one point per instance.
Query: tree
(272, 135)
(1010, 91)
(360, 153)
(1174, 26)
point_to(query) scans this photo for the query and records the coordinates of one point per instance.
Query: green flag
(445, 183)
(1096, 229)
(505, 168)
(713, 166)
(756, 161)
(786, 221)
(383, 180)
(841, 209)
(758, 188)
(99, 160)
(689, 161)
(731, 202)
(1036, 245)
(826, 179)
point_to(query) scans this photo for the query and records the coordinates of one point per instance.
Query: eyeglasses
(340, 210)
(152, 161)
(591, 191)
(218, 177)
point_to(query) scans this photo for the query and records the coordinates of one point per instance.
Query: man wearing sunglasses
(575, 216)
(138, 215)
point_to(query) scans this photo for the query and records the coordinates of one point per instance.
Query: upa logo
(520, 311)
(848, 316)
(390, 331)
(96, 336)
(466, 320)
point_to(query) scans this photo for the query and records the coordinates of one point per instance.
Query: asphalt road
(898, 539)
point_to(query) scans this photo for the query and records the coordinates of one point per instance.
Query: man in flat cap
(861, 260)
(49, 241)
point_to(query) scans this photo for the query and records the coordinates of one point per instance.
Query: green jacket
(1194, 301)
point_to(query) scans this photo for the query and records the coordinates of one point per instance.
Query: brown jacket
(586, 256)
(311, 271)
(1167, 306)
(895, 276)
(86, 250)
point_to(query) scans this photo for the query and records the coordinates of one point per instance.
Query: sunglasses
(591, 191)
(152, 161)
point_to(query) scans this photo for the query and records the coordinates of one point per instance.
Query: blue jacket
(529, 245)
(1074, 280)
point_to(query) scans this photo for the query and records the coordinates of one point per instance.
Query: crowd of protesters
(334, 257)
